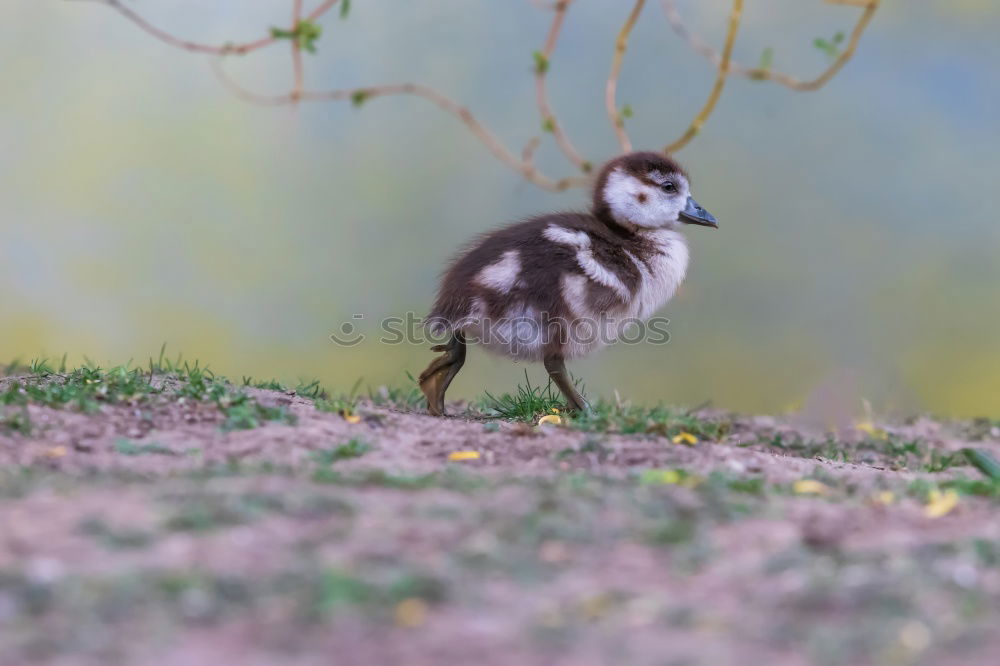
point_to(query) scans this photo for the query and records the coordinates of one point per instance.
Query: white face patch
(635, 202)
(501, 275)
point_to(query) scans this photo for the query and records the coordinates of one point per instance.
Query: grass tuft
(527, 403)
(127, 448)
(659, 420)
(352, 449)
(89, 386)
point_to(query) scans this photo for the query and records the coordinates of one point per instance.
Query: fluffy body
(568, 283)
(521, 290)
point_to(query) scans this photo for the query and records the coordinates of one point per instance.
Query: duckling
(560, 286)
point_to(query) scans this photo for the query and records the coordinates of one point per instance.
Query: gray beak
(693, 213)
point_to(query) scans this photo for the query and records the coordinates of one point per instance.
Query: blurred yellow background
(143, 204)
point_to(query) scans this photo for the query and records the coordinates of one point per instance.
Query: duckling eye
(669, 187)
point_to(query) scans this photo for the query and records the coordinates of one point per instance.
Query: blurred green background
(143, 204)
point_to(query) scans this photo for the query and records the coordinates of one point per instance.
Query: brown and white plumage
(522, 289)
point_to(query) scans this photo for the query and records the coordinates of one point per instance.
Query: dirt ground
(142, 531)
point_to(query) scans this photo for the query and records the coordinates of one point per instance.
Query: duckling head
(647, 190)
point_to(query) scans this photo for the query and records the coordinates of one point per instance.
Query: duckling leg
(556, 367)
(435, 379)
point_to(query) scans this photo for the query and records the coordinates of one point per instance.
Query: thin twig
(358, 96)
(528, 153)
(766, 73)
(242, 93)
(297, 49)
(527, 170)
(197, 47)
(549, 120)
(720, 81)
(611, 89)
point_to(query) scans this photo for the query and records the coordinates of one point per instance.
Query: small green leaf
(549, 124)
(358, 97)
(829, 48)
(345, 8)
(308, 33)
(627, 111)
(838, 38)
(541, 62)
(766, 59)
(305, 34)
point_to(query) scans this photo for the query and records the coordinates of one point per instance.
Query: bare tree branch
(302, 35)
(720, 81)
(196, 47)
(611, 89)
(549, 120)
(358, 96)
(766, 73)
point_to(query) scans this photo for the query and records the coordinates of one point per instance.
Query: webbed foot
(435, 379)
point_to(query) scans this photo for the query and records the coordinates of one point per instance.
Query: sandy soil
(145, 534)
